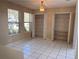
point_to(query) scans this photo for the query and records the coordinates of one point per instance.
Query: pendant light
(42, 6)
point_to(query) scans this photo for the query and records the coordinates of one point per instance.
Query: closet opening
(39, 24)
(61, 29)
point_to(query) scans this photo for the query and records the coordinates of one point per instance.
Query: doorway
(39, 22)
(61, 26)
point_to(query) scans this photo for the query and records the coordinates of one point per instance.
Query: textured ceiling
(35, 4)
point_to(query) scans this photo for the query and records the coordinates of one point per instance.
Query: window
(27, 21)
(13, 22)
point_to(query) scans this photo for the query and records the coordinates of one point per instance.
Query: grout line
(58, 53)
(66, 51)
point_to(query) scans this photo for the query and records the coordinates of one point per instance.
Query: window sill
(13, 34)
(19, 33)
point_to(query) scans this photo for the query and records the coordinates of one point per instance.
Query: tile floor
(43, 49)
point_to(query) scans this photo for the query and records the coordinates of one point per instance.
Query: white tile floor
(43, 49)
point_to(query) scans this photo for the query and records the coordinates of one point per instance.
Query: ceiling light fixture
(42, 6)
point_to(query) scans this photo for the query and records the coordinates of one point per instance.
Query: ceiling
(35, 4)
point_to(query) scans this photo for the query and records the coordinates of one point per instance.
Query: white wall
(3, 24)
(75, 41)
(33, 25)
(75, 38)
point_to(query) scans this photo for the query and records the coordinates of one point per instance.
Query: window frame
(30, 23)
(14, 22)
